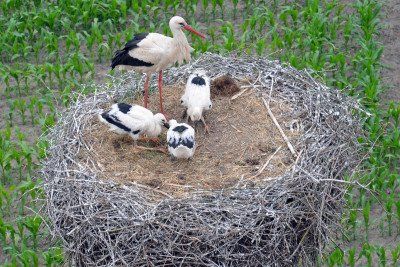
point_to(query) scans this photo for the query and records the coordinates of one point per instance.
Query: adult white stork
(153, 52)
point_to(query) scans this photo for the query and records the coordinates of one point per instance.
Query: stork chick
(135, 121)
(181, 140)
(196, 98)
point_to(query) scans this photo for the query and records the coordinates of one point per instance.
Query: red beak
(187, 27)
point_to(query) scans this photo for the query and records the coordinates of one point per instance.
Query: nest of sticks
(285, 221)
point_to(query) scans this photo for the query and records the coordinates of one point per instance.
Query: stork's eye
(182, 24)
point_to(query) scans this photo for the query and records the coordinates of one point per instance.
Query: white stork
(134, 120)
(153, 52)
(196, 98)
(181, 140)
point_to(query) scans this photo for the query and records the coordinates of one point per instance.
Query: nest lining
(242, 139)
(283, 222)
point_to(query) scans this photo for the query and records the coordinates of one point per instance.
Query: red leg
(146, 90)
(160, 91)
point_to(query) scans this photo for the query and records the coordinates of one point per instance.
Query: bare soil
(242, 138)
(390, 37)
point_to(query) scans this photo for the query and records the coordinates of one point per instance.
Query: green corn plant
(29, 258)
(205, 4)
(388, 205)
(21, 106)
(42, 146)
(235, 5)
(49, 69)
(381, 255)
(214, 7)
(53, 256)
(20, 230)
(395, 255)
(3, 230)
(353, 221)
(33, 223)
(28, 154)
(220, 3)
(366, 215)
(228, 37)
(397, 204)
(351, 258)
(6, 194)
(367, 251)
(336, 258)
(11, 109)
(16, 74)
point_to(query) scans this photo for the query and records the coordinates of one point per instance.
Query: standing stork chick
(135, 121)
(181, 140)
(153, 52)
(196, 98)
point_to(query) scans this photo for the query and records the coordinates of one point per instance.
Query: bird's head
(172, 123)
(160, 119)
(178, 23)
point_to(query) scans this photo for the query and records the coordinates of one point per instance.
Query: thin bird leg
(160, 90)
(206, 128)
(185, 115)
(146, 90)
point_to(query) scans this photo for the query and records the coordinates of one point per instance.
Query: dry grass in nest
(242, 139)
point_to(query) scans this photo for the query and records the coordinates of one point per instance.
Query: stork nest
(285, 221)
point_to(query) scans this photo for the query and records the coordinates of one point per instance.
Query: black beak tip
(166, 125)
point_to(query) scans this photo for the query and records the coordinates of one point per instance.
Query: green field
(49, 49)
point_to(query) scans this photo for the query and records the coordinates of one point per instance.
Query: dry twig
(290, 146)
(267, 162)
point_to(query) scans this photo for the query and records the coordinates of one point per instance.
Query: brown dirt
(390, 37)
(224, 86)
(242, 139)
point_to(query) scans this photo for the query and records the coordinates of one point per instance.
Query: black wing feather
(115, 121)
(187, 142)
(122, 56)
(180, 128)
(172, 142)
(198, 80)
(124, 108)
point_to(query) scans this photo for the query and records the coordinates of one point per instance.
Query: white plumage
(181, 140)
(196, 98)
(153, 52)
(133, 120)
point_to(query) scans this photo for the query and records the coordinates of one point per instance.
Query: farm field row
(50, 48)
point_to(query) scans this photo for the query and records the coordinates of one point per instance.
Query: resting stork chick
(153, 52)
(135, 121)
(196, 98)
(181, 140)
